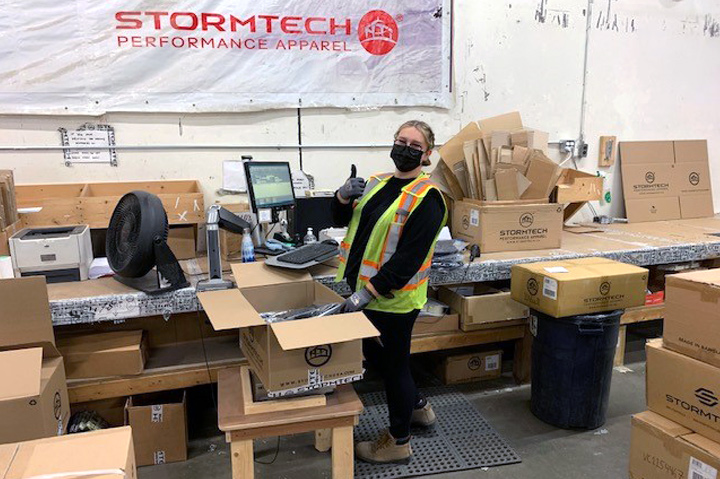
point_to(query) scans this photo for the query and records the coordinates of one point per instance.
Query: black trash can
(572, 362)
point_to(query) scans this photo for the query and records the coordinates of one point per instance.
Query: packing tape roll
(6, 269)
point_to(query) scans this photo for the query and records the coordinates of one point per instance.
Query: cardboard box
(508, 227)
(470, 367)
(577, 186)
(665, 180)
(90, 454)
(5, 237)
(33, 398)
(683, 390)
(159, 427)
(98, 355)
(9, 201)
(480, 304)
(532, 139)
(663, 449)
(447, 323)
(692, 315)
(291, 356)
(182, 241)
(543, 174)
(111, 410)
(578, 286)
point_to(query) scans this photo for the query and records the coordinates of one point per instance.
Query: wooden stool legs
(323, 440)
(343, 453)
(243, 466)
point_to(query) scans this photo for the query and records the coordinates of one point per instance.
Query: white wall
(655, 75)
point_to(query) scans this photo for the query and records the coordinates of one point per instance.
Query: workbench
(642, 244)
(107, 302)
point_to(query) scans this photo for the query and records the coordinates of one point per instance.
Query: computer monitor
(269, 184)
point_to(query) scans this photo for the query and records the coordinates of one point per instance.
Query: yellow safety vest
(383, 242)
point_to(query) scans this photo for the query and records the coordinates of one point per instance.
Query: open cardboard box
(99, 454)
(480, 304)
(33, 396)
(292, 356)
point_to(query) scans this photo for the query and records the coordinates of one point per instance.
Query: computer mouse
(331, 242)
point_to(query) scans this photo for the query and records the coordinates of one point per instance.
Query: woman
(393, 224)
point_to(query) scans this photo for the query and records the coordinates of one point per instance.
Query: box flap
(509, 121)
(20, 373)
(248, 275)
(660, 423)
(7, 454)
(655, 152)
(229, 309)
(104, 450)
(706, 282)
(115, 341)
(337, 328)
(689, 151)
(707, 445)
(25, 318)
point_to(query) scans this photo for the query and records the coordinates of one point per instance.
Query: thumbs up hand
(353, 187)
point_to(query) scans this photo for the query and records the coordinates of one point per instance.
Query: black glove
(353, 187)
(357, 302)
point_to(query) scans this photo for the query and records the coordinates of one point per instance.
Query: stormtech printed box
(692, 315)
(513, 226)
(666, 180)
(578, 286)
(683, 389)
(663, 449)
(290, 356)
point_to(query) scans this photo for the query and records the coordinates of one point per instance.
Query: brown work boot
(424, 416)
(384, 450)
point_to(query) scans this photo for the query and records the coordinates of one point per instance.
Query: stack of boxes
(679, 437)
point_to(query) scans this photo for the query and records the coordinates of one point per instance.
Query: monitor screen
(270, 184)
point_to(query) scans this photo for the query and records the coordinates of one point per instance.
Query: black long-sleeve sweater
(415, 241)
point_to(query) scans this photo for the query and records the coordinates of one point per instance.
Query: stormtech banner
(89, 57)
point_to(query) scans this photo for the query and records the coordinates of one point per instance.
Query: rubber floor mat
(460, 440)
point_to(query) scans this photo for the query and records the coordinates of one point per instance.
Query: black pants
(392, 360)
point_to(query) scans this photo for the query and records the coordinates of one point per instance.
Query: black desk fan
(136, 245)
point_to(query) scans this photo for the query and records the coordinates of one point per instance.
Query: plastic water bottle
(248, 250)
(309, 237)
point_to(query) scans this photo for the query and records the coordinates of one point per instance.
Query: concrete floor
(546, 452)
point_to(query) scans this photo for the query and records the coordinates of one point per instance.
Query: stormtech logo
(650, 183)
(605, 288)
(706, 397)
(474, 363)
(526, 220)
(694, 178)
(317, 356)
(532, 287)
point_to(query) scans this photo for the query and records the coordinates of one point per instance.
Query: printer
(61, 253)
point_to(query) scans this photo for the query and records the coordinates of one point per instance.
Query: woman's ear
(426, 161)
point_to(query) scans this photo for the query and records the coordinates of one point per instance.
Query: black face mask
(406, 158)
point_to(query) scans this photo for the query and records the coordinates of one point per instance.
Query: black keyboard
(308, 253)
